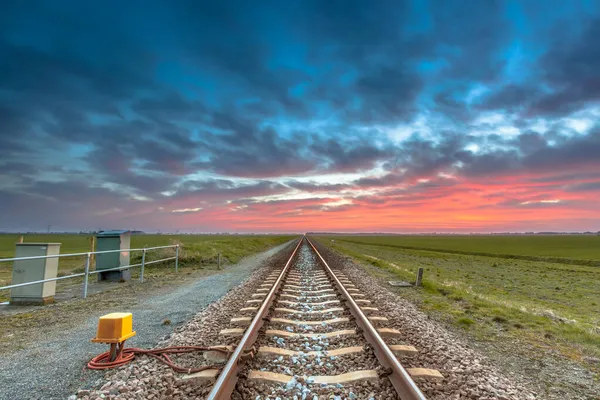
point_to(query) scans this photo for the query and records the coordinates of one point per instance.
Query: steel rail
(225, 384)
(403, 383)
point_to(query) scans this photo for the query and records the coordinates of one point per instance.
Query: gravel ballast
(302, 368)
(54, 368)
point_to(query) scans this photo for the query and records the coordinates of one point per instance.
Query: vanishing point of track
(326, 320)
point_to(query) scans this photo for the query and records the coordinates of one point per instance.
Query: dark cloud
(65, 205)
(223, 189)
(511, 98)
(391, 179)
(314, 187)
(349, 156)
(570, 69)
(422, 157)
(187, 102)
(584, 187)
(570, 152)
(256, 153)
(19, 168)
(566, 76)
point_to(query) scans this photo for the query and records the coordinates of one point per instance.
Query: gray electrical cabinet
(113, 240)
(34, 270)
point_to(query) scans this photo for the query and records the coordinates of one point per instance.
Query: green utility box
(34, 270)
(113, 240)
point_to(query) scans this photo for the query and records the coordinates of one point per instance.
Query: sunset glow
(300, 116)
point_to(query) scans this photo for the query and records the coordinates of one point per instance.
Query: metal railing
(86, 274)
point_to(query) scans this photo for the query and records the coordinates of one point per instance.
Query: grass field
(197, 250)
(571, 249)
(555, 305)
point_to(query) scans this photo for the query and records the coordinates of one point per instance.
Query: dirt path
(52, 367)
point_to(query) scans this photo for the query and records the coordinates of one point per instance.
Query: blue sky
(300, 115)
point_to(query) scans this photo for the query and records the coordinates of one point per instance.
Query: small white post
(177, 259)
(87, 275)
(143, 265)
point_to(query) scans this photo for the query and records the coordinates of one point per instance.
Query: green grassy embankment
(548, 304)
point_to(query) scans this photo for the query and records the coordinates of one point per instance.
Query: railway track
(309, 333)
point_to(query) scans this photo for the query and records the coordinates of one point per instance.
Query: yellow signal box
(114, 328)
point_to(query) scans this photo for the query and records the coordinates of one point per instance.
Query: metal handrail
(83, 254)
(87, 272)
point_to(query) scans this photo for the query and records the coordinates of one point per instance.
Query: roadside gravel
(54, 367)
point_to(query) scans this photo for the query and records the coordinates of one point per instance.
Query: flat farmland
(544, 290)
(577, 249)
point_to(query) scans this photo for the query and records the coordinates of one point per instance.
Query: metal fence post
(143, 264)
(87, 275)
(419, 277)
(176, 258)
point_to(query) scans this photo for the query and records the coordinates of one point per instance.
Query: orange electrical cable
(126, 355)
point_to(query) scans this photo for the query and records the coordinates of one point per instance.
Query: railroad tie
(403, 350)
(241, 321)
(369, 309)
(232, 332)
(425, 374)
(398, 349)
(292, 303)
(355, 376)
(326, 285)
(276, 351)
(291, 311)
(377, 319)
(388, 332)
(308, 291)
(201, 378)
(279, 333)
(307, 283)
(309, 323)
(307, 297)
(216, 356)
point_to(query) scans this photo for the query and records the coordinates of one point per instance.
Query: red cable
(126, 355)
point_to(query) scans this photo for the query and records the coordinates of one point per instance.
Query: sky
(292, 116)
